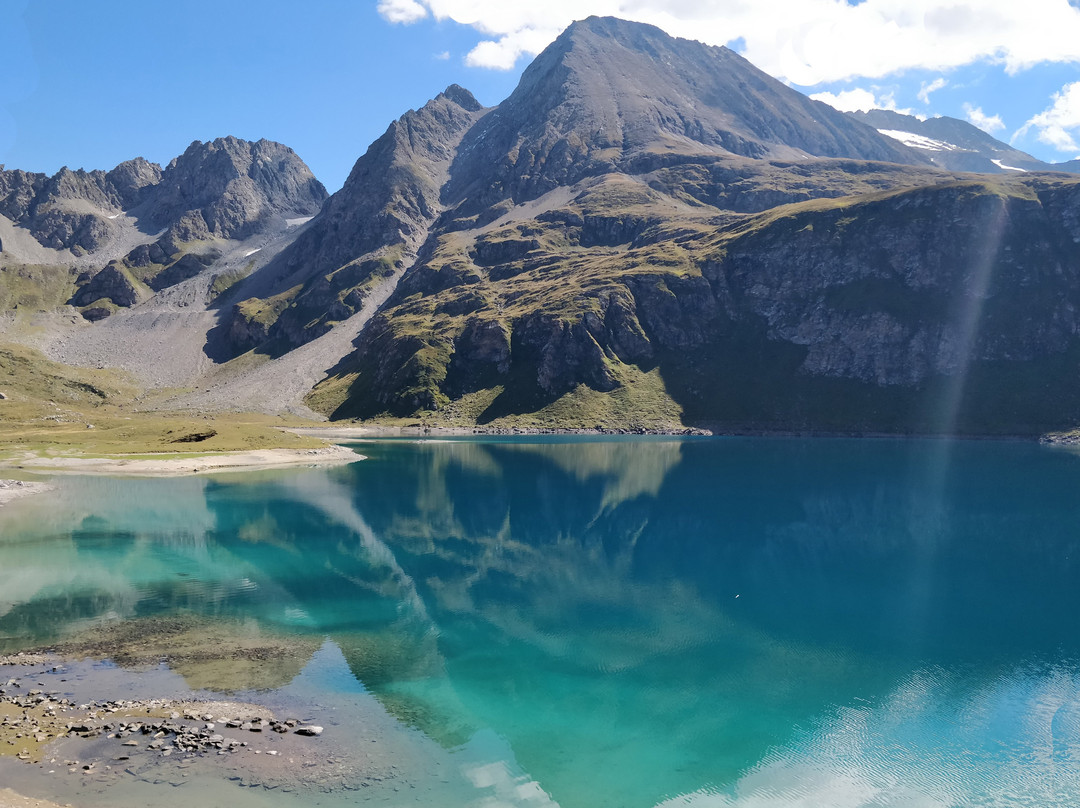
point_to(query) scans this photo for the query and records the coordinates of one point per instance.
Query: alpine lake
(566, 621)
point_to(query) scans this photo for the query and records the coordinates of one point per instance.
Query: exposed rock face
(392, 193)
(131, 177)
(922, 284)
(61, 211)
(111, 283)
(187, 266)
(17, 192)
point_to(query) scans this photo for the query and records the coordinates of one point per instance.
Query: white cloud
(929, 87)
(807, 42)
(1059, 124)
(858, 99)
(443, 56)
(403, 11)
(988, 123)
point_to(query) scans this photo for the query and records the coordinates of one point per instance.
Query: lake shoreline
(184, 464)
(173, 466)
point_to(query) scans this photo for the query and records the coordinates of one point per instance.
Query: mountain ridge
(649, 233)
(958, 145)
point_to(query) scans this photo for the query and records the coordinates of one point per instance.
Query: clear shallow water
(704, 622)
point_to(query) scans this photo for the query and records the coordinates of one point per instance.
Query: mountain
(955, 144)
(139, 228)
(72, 210)
(367, 232)
(226, 188)
(649, 233)
(610, 95)
(230, 188)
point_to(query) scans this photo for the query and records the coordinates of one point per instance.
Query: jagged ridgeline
(648, 233)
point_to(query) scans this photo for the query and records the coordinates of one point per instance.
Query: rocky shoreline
(61, 745)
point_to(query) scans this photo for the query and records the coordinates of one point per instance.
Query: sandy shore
(177, 466)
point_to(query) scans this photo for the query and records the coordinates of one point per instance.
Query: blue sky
(90, 84)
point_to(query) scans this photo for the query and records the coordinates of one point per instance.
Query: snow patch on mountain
(1001, 165)
(919, 141)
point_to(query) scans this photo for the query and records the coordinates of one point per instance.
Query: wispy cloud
(402, 11)
(929, 87)
(1059, 124)
(988, 123)
(442, 56)
(807, 42)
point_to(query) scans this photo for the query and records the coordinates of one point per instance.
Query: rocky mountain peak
(462, 97)
(228, 187)
(131, 176)
(609, 92)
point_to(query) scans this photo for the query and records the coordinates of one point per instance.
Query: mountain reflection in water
(701, 621)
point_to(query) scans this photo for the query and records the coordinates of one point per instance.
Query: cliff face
(921, 284)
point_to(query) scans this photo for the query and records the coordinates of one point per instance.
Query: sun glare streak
(972, 301)
(929, 521)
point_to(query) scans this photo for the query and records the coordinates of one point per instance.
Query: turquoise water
(633, 623)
